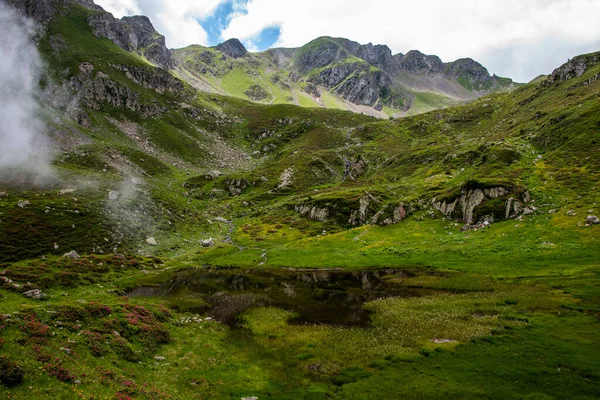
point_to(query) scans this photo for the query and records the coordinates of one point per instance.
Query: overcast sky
(520, 39)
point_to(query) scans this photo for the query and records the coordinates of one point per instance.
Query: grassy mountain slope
(299, 188)
(322, 72)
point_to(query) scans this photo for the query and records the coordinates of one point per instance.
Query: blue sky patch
(265, 39)
(216, 23)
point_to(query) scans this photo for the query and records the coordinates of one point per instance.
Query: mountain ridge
(326, 72)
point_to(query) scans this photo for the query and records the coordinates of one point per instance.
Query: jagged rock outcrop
(319, 53)
(363, 88)
(354, 168)
(43, 11)
(159, 80)
(312, 212)
(466, 205)
(574, 68)
(378, 55)
(233, 48)
(237, 185)
(418, 63)
(150, 44)
(256, 93)
(95, 89)
(130, 33)
(136, 34)
(467, 70)
(372, 211)
(369, 210)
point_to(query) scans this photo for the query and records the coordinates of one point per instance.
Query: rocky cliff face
(476, 205)
(365, 74)
(44, 10)
(151, 44)
(93, 89)
(133, 34)
(573, 68)
(418, 63)
(379, 55)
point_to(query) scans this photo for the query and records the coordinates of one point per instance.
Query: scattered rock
(207, 242)
(286, 178)
(113, 195)
(151, 241)
(36, 294)
(552, 212)
(250, 398)
(593, 220)
(571, 213)
(221, 219)
(213, 174)
(72, 254)
(443, 341)
(23, 203)
(3, 194)
(528, 210)
(590, 211)
(159, 358)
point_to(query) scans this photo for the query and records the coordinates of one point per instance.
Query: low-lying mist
(23, 142)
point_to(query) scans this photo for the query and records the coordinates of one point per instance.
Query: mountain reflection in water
(317, 297)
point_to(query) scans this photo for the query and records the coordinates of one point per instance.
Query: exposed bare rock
(150, 43)
(44, 10)
(312, 212)
(496, 192)
(574, 68)
(237, 185)
(469, 201)
(101, 89)
(207, 242)
(155, 79)
(36, 294)
(286, 178)
(72, 255)
(592, 220)
(513, 208)
(465, 205)
(233, 48)
(212, 174)
(134, 34)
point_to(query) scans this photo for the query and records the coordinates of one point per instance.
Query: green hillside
(481, 212)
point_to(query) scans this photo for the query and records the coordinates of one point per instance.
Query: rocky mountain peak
(319, 53)
(416, 62)
(233, 48)
(469, 70)
(133, 34)
(378, 55)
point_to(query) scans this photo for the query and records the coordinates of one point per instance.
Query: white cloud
(535, 35)
(521, 29)
(176, 19)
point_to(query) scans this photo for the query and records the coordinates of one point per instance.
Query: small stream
(317, 297)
